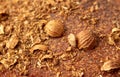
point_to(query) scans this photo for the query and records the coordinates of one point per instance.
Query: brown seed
(86, 39)
(54, 28)
(110, 64)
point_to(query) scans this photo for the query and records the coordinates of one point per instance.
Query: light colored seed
(72, 40)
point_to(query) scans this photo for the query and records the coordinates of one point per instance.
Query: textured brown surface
(27, 18)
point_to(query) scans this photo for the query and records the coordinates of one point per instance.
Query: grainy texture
(39, 47)
(27, 19)
(12, 42)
